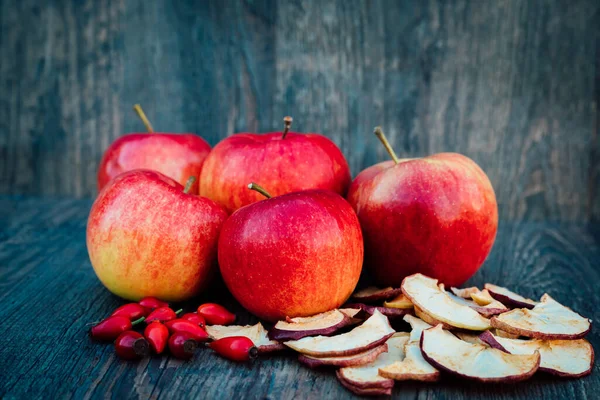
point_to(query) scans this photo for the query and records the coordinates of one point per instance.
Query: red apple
(147, 237)
(435, 215)
(284, 162)
(178, 156)
(294, 255)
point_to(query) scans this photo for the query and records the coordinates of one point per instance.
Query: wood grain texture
(515, 85)
(49, 293)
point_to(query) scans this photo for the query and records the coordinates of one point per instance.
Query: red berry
(130, 345)
(182, 345)
(157, 335)
(183, 325)
(236, 348)
(195, 318)
(162, 314)
(152, 303)
(215, 314)
(132, 311)
(109, 329)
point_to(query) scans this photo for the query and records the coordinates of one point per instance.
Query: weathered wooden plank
(513, 85)
(49, 293)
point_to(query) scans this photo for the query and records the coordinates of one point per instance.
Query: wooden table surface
(48, 293)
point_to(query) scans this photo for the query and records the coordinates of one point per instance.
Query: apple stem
(381, 136)
(138, 109)
(188, 184)
(287, 123)
(259, 189)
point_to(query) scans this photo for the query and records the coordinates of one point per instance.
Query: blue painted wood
(513, 84)
(49, 294)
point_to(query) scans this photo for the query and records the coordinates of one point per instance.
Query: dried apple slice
(494, 307)
(414, 366)
(388, 312)
(430, 320)
(257, 333)
(475, 361)
(469, 337)
(547, 320)
(343, 361)
(367, 376)
(508, 298)
(323, 324)
(365, 392)
(501, 333)
(566, 358)
(401, 301)
(465, 293)
(373, 332)
(425, 294)
(372, 294)
(417, 327)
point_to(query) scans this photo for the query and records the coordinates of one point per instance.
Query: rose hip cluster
(164, 327)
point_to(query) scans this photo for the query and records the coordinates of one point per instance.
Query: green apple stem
(381, 136)
(138, 109)
(287, 123)
(138, 321)
(188, 184)
(259, 189)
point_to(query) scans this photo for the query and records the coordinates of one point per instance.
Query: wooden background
(513, 84)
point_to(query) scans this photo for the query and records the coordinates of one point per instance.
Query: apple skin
(178, 156)
(145, 237)
(435, 215)
(295, 255)
(298, 162)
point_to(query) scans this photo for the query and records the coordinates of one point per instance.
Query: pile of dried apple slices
(489, 335)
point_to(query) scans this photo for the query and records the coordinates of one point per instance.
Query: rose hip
(162, 314)
(109, 329)
(195, 318)
(131, 345)
(157, 335)
(183, 325)
(236, 348)
(152, 303)
(132, 311)
(182, 345)
(215, 314)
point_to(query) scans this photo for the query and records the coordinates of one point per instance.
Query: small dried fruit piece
(484, 298)
(469, 337)
(508, 298)
(321, 324)
(547, 320)
(372, 294)
(401, 301)
(388, 312)
(494, 307)
(414, 366)
(566, 358)
(367, 376)
(343, 361)
(366, 392)
(501, 333)
(464, 293)
(425, 294)
(475, 361)
(257, 333)
(372, 333)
